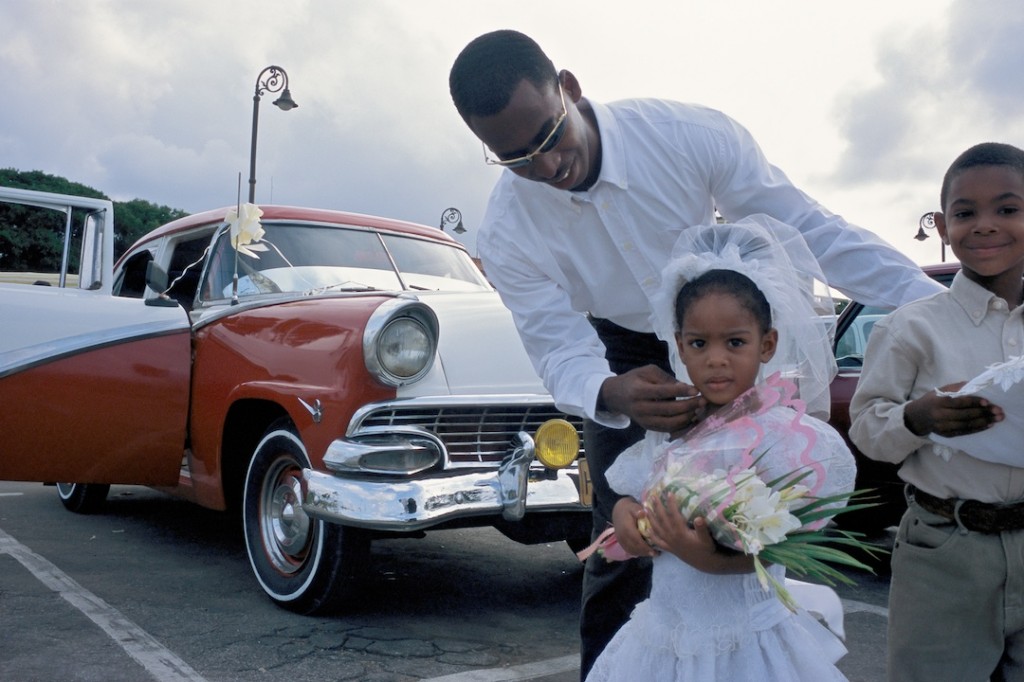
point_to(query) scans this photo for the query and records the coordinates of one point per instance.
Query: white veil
(776, 258)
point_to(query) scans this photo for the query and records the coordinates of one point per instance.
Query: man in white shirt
(576, 235)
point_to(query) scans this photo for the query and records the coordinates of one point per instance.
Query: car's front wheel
(83, 498)
(303, 564)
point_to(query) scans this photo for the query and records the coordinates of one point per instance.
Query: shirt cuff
(591, 391)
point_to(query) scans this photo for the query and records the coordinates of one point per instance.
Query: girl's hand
(625, 518)
(946, 416)
(692, 543)
(671, 532)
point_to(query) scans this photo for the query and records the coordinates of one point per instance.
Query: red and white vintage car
(333, 376)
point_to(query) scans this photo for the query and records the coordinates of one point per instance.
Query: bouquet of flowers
(765, 485)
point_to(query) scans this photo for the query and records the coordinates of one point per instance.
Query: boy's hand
(946, 416)
(625, 515)
(649, 396)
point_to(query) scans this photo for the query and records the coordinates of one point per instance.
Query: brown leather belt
(973, 515)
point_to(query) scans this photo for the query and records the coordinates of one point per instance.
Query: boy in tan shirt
(956, 603)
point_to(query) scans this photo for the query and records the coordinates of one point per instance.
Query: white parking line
(853, 606)
(161, 663)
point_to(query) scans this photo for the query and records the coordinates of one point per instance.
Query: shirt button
(650, 282)
(1013, 342)
(627, 246)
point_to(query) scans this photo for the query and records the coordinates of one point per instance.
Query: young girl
(743, 306)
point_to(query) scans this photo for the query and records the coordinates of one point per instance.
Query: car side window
(853, 340)
(131, 282)
(185, 268)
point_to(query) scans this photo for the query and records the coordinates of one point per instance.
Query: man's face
(525, 126)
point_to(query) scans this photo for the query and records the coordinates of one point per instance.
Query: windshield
(311, 259)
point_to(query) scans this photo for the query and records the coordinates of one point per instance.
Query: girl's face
(722, 347)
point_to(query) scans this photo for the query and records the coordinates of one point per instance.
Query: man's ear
(769, 342)
(571, 86)
(940, 226)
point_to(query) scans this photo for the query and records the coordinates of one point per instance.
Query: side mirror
(156, 279)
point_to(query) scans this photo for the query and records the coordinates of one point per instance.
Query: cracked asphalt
(158, 589)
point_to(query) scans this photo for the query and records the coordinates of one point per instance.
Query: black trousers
(611, 590)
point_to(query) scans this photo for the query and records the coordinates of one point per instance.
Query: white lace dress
(702, 627)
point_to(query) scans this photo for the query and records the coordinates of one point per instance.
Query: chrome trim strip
(432, 402)
(22, 359)
(206, 312)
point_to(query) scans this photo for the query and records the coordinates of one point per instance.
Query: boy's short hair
(490, 68)
(984, 154)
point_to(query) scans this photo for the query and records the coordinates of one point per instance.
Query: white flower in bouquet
(772, 521)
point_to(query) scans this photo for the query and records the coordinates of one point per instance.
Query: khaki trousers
(956, 603)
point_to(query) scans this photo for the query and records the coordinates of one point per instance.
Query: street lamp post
(271, 79)
(452, 216)
(927, 222)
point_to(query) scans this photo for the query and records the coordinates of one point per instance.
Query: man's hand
(650, 397)
(946, 416)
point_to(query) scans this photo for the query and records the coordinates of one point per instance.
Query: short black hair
(725, 282)
(491, 67)
(984, 154)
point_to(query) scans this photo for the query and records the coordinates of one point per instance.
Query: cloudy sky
(862, 104)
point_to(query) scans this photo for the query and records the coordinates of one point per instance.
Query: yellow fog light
(557, 443)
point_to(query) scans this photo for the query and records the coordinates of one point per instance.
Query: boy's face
(983, 224)
(522, 127)
(722, 347)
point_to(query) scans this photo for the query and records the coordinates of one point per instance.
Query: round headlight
(556, 443)
(404, 348)
(400, 341)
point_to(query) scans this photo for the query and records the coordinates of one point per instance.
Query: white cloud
(862, 105)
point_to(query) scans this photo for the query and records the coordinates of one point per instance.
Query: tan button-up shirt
(943, 339)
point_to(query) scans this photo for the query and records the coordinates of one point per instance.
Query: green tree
(136, 218)
(31, 239)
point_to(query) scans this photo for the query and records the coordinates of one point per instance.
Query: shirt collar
(975, 299)
(613, 151)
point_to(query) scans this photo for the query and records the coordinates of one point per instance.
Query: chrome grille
(472, 434)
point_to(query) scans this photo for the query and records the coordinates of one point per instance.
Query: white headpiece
(776, 258)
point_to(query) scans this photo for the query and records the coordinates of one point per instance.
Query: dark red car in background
(852, 331)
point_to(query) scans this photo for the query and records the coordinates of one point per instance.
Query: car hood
(479, 350)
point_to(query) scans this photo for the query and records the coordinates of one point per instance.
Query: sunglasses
(549, 143)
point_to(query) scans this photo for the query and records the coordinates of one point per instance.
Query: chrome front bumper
(403, 504)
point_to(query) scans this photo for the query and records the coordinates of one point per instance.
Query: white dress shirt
(556, 255)
(944, 339)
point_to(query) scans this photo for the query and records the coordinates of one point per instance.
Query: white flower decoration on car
(246, 230)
